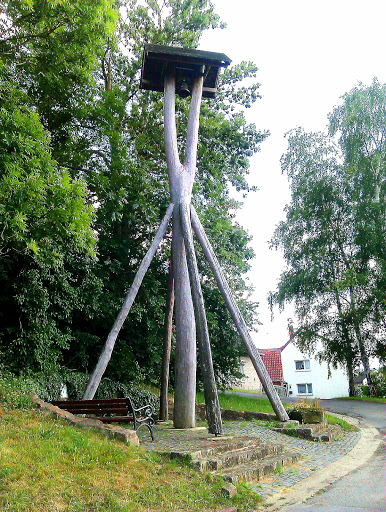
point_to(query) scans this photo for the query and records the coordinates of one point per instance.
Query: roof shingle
(272, 360)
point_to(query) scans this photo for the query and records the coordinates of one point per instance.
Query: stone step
(215, 446)
(258, 470)
(313, 432)
(237, 456)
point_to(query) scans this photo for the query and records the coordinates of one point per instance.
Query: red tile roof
(272, 360)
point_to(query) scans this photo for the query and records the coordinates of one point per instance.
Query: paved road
(362, 490)
(371, 412)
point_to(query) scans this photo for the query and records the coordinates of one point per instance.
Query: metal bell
(184, 91)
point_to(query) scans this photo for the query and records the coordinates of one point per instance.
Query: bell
(184, 91)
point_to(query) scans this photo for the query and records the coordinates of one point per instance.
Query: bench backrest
(118, 406)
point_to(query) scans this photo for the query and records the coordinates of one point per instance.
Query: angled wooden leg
(213, 412)
(105, 356)
(167, 342)
(238, 318)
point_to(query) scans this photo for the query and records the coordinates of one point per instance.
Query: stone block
(229, 490)
(306, 416)
(228, 414)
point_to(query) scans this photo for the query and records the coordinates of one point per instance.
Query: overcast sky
(309, 53)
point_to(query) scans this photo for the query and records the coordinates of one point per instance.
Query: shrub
(305, 405)
(379, 378)
(16, 391)
(361, 390)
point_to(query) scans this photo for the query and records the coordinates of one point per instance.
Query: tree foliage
(78, 63)
(45, 226)
(335, 261)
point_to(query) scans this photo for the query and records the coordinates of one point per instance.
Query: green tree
(333, 238)
(52, 47)
(45, 227)
(360, 121)
(127, 174)
(79, 64)
(318, 247)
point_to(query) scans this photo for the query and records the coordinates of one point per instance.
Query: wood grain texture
(238, 318)
(213, 411)
(180, 184)
(166, 348)
(105, 355)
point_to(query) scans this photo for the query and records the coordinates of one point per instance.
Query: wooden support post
(213, 411)
(238, 318)
(105, 356)
(181, 182)
(167, 344)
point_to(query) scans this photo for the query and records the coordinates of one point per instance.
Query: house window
(302, 365)
(304, 389)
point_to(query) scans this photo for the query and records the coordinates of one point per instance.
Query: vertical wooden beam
(238, 318)
(185, 358)
(213, 411)
(166, 349)
(192, 130)
(105, 356)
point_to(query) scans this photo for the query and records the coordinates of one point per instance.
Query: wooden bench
(117, 410)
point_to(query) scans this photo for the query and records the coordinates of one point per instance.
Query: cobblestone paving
(315, 455)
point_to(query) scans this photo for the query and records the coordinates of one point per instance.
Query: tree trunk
(350, 373)
(105, 356)
(362, 348)
(347, 343)
(213, 411)
(167, 343)
(238, 319)
(365, 361)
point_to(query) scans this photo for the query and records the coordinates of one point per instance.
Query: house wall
(317, 375)
(251, 381)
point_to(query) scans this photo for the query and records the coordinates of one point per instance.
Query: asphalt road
(362, 490)
(372, 413)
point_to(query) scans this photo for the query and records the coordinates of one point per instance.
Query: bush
(305, 405)
(16, 391)
(379, 378)
(361, 390)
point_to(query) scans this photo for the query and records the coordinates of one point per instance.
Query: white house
(295, 374)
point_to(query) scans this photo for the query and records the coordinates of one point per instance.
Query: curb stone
(305, 489)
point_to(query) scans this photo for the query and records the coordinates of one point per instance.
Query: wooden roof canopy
(185, 64)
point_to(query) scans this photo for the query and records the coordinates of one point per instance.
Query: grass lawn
(333, 420)
(249, 403)
(240, 403)
(49, 466)
(365, 399)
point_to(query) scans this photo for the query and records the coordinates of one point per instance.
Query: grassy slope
(47, 466)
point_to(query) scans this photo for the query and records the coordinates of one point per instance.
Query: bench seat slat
(95, 410)
(99, 407)
(107, 402)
